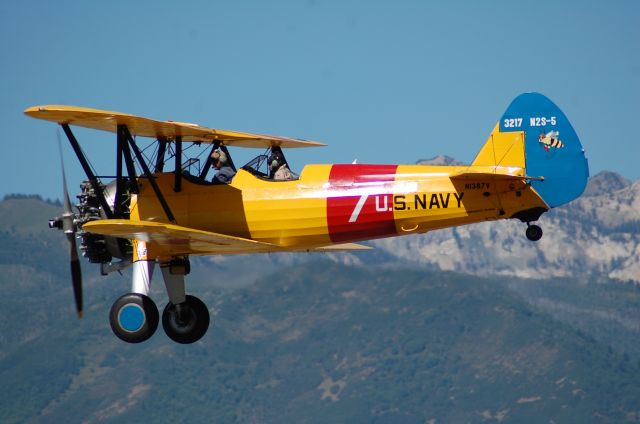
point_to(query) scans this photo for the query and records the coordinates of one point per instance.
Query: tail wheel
(134, 317)
(187, 322)
(534, 233)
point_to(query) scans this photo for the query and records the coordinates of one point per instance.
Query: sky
(378, 81)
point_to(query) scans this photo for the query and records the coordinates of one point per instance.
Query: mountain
(606, 182)
(439, 160)
(323, 343)
(306, 338)
(597, 234)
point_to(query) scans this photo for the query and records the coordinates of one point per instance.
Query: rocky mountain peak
(605, 182)
(598, 234)
(439, 160)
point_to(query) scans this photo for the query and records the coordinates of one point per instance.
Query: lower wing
(165, 240)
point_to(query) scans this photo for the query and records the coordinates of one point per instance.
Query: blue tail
(552, 148)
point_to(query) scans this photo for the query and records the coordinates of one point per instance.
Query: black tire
(134, 317)
(195, 317)
(534, 233)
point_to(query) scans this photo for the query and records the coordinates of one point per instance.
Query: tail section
(534, 135)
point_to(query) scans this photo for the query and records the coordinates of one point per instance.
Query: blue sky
(380, 81)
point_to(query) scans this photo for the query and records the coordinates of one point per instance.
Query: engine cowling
(95, 247)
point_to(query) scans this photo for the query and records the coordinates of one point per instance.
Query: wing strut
(177, 186)
(123, 152)
(131, 169)
(150, 177)
(117, 200)
(87, 170)
(162, 148)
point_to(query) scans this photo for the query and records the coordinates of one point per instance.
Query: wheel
(534, 233)
(134, 317)
(187, 322)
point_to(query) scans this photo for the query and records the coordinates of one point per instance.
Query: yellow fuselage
(331, 204)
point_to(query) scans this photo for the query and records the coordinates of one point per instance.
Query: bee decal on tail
(550, 140)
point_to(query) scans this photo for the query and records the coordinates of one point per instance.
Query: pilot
(221, 163)
(278, 167)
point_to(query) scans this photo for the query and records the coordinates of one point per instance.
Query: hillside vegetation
(313, 341)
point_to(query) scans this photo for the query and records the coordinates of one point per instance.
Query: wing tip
(34, 110)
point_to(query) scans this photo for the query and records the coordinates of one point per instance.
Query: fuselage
(331, 204)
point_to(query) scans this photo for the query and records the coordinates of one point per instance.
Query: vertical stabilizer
(502, 149)
(536, 135)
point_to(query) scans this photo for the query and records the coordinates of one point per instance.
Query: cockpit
(271, 165)
(213, 163)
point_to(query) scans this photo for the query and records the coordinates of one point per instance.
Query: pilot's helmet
(275, 161)
(219, 156)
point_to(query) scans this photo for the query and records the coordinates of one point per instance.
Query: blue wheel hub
(131, 317)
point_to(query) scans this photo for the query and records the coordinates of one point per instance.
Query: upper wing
(174, 240)
(106, 120)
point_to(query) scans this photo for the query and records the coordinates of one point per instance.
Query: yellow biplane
(147, 215)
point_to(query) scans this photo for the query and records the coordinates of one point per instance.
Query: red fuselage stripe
(360, 203)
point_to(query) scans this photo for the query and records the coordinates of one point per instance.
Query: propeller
(67, 225)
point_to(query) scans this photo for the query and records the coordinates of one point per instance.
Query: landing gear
(534, 233)
(186, 322)
(134, 317)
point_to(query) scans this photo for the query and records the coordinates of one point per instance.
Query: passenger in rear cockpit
(225, 172)
(278, 167)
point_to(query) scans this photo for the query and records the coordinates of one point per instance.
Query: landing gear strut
(534, 233)
(185, 318)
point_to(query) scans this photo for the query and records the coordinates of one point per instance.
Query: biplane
(163, 205)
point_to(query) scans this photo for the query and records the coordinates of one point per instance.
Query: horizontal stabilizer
(173, 240)
(474, 175)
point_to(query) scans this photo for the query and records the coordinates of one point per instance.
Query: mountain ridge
(323, 342)
(596, 234)
(306, 338)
